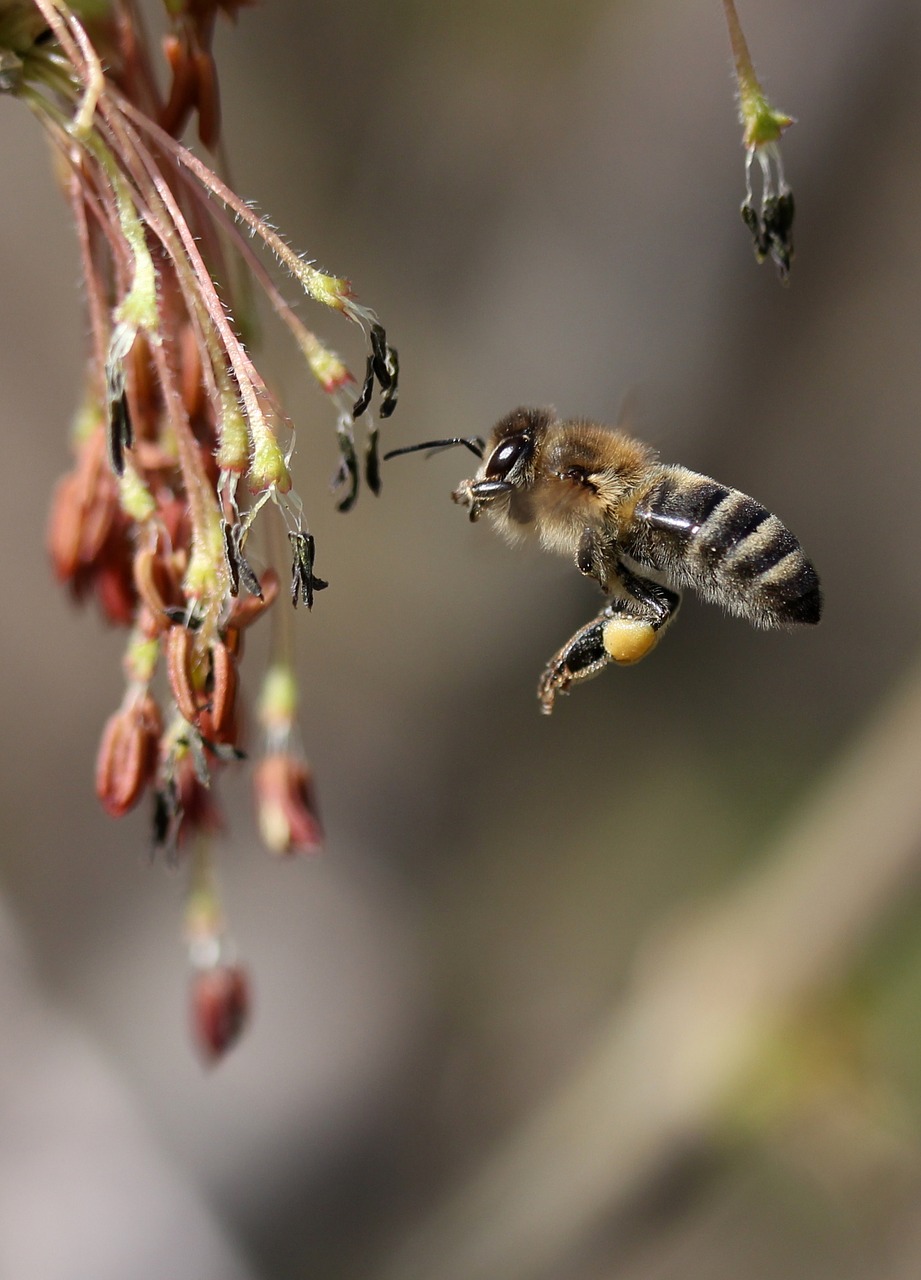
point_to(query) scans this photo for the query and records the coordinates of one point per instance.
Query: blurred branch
(703, 999)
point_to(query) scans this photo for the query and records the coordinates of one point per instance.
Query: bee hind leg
(625, 631)
(639, 616)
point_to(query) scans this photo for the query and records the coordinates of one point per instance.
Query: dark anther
(772, 230)
(381, 364)
(364, 396)
(347, 474)
(781, 223)
(240, 568)
(248, 576)
(389, 398)
(756, 229)
(121, 432)
(379, 341)
(384, 367)
(230, 555)
(182, 618)
(167, 815)
(303, 580)
(373, 462)
(778, 227)
(164, 810)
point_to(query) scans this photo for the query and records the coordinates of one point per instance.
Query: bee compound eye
(505, 455)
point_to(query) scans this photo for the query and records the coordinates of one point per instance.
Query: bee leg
(597, 558)
(579, 659)
(657, 604)
(627, 629)
(638, 616)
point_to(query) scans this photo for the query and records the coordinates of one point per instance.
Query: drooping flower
(286, 804)
(771, 224)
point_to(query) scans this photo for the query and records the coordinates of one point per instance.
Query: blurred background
(630, 992)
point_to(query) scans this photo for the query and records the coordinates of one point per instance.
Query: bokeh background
(630, 992)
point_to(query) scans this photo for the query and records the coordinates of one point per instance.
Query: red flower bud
(209, 103)
(127, 758)
(220, 1009)
(181, 670)
(288, 818)
(192, 386)
(224, 680)
(88, 537)
(175, 114)
(157, 582)
(246, 609)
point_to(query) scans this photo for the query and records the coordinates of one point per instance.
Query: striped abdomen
(725, 546)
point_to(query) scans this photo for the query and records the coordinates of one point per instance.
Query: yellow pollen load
(628, 640)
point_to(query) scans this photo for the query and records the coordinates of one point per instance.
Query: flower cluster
(179, 444)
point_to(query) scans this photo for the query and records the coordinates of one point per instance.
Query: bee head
(508, 460)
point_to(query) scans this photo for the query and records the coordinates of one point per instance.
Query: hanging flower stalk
(179, 444)
(771, 225)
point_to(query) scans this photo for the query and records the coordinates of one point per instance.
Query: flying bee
(642, 529)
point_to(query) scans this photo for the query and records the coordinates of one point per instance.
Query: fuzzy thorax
(581, 477)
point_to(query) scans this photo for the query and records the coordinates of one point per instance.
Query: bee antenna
(474, 443)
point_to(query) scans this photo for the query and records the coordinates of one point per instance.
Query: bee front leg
(626, 630)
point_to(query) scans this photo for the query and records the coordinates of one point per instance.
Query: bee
(642, 529)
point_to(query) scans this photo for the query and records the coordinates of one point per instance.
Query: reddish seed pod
(88, 535)
(246, 609)
(233, 639)
(180, 669)
(191, 385)
(142, 391)
(227, 736)
(127, 757)
(114, 589)
(82, 511)
(224, 692)
(146, 399)
(99, 514)
(65, 528)
(220, 1009)
(175, 114)
(209, 102)
(157, 583)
